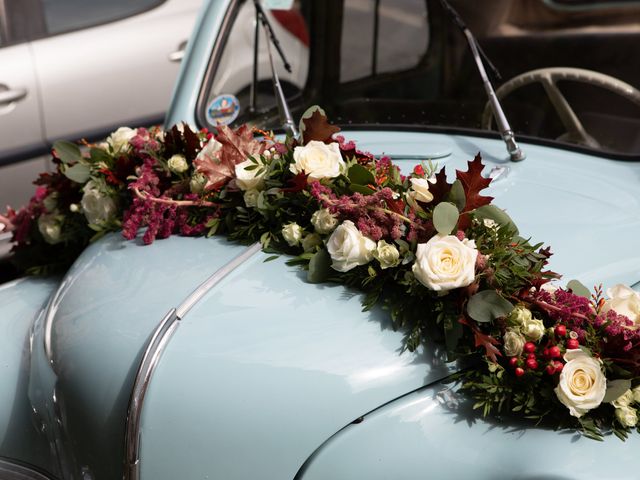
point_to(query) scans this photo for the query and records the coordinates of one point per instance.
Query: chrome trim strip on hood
(153, 351)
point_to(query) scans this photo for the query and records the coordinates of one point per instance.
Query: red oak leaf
(441, 188)
(317, 127)
(473, 183)
(488, 342)
(219, 157)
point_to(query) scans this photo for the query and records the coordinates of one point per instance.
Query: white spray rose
(250, 179)
(624, 301)
(50, 226)
(519, 315)
(349, 248)
(533, 329)
(178, 163)
(292, 233)
(627, 416)
(582, 383)
(419, 192)
(387, 254)
(318, 160)
(513, 343)
(311, 241)
(323, 221)
(251, 198)
(97, 206)
(119, 140)
(445, 263)
(197, 183)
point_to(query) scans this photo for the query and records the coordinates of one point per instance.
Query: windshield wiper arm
(285, 113)
(515, 153)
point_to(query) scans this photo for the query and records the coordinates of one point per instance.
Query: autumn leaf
(473, 183)
(317, 127)
(441, 188)
(488, 342)
(218, 159)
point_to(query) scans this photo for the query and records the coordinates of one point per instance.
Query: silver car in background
(76, 69)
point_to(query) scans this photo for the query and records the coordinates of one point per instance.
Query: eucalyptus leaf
(491, 212)
(68, 152)
(457, 195)
(319, 267)
(363, 189)
(98, 155)
(615, 388)
(445, 217)
(360, 175)
(487, 305)
(79, 173)
(578, 289)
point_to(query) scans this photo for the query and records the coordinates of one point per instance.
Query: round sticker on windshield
(223, 109)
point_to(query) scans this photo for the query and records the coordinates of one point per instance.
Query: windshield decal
(223, 109)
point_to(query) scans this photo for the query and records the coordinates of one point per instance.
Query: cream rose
(50, 226)
(349, 248)
(513, 343)
(624, 301)
(445, 263)
(323, 221)
(97, 206)
(623, 400)
(519, 315)
(251, 198)
(292, 233)
(582, 383)
(178, 163)
(250, 179)
(636, 394)
(318, 160)
(627, 416)
(119, 140)
(387, 254)
(532, 329)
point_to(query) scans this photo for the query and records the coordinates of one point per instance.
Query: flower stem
(179, 203)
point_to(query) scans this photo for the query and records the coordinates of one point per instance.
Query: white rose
(513, 343)
(311, 241)
(323, 221)
(421, 188)
(445, 263)
(197, 183)
(623, 400)
(119, 140)
(636, 394)
(50, 226)
(624, 301)
(318, 160)
(627, 416)
(251, 198)
(349, 248)
(96, 205)
(532, 329)
(178, 163)
(292, 233)
(519, 315)
(387, 254)
(582, 384)
(250, 179)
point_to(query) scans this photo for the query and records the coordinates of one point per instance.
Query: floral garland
(445, 262)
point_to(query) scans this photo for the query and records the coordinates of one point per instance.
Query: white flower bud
(323, 221)
(292, 233)
(178, 163)
(387, 254)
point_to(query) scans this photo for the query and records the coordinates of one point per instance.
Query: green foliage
(68, 152)
(487, 305)
(445, 217)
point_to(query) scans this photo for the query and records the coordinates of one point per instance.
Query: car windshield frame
(323, 86)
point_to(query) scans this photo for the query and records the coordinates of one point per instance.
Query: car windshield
(567, 69)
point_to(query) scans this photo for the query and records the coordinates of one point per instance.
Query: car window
(228, 98)
(396, 32)
(66, 15)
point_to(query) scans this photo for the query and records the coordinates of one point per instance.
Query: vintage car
(196, 358)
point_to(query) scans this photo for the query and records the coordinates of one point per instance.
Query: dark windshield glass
(404, 62)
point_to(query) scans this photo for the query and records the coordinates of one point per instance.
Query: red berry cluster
(551, 355)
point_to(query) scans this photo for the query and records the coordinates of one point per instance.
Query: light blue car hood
(267, 367)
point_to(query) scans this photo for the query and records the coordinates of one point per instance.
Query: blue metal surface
(20, 439)
(434, 434)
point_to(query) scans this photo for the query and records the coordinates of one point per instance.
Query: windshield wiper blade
(283, 107)
(515, 153)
